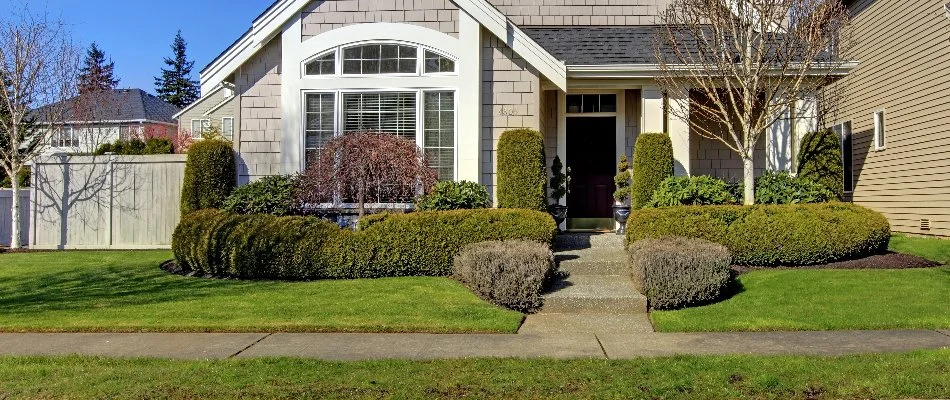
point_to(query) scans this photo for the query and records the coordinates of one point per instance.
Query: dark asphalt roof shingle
(122, 105)
(576, 45)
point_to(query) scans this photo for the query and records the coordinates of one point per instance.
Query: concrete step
(593, 261)
(546, 323)
(594, 294)
(567, 241)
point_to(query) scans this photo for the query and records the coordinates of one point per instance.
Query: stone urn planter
(559, 213)
(621, 214)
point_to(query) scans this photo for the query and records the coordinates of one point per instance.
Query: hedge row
(522, 176)
(771, 235)
(304, 248)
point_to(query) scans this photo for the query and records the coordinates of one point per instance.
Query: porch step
(575, 241)
(593, 261)
(594, 294)
(549, 323)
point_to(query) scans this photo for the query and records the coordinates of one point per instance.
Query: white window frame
(225, 133)
(205, 124)
(338, 63)
(880, 130)
(338, 116)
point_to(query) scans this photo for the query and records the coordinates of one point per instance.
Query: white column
(291, 122)
(778, 143)
(679, 133)
(468, 145)
(651, 111)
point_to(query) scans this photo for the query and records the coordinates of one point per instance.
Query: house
(453, 75)
(216, 108)
(894, 113)
(96, 118)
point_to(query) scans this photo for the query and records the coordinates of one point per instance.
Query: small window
(591, 103)
(438, 135)
(380, 59)
(879, 131)
(227, 126)
(437, 63)
(319, 126)
(67, 137)
(847, 154)
(323, 65)
(199, 126)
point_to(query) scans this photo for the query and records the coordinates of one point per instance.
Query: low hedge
(258, 246)
(679, 272)
(771, 235)
(510, 274)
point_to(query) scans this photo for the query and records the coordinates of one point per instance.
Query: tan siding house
(903, 47)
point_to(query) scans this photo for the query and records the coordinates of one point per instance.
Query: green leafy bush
(687, 191)
(159, 145)
(136, 147)
(820, 161)
(23, 178)
(264, 246)
(210, 175)
(678, 272)
(511, 274)
(521, 170)
(783, 188)
(451, 195)
(274, 195)
(771, 235)
(652, 163)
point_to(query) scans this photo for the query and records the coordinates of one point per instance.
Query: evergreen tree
(175, 85)
(96, 74)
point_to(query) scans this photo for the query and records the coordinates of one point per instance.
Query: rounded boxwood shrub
(652, 163)
(678, 272)
(262, 246)
(274, 195)
(521, 170)
(820, 160)
(210, 175)
(511, 273)
(451, 195)
(771, 235)
(691, 190)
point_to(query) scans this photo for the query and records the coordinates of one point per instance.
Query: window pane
(574, 102)
(439, 133)
(389, 112)
(325, 65)
(436, 63)
(608, 103)
(379, 59)
(319, 123)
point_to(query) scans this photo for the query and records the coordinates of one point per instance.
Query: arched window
(437, 63)
(322, 65)
(380, 59)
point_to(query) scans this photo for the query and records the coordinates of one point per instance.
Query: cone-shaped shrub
(820, 160)
(521, 170)
(210, 176)
(652, 163)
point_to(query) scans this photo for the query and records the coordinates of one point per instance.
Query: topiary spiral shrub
(521, 170)
(210, 175)
(678, 272)
(263, 246)
(820, 161)
(451, 195)
(771, 235)
(511, 274)
(652, 163)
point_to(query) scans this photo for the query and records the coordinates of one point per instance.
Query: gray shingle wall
(712, 157)
(632, 105)
(510, 98)
(322, 16)
(258, 84)
(580, 12)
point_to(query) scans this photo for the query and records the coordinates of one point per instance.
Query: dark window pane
(574, 103)
(591, 103)
(407, 66)
(608, 103)
(351, 67)
(847, 155)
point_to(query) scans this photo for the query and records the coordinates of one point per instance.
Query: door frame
(563, 115)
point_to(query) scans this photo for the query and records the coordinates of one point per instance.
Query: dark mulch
(889, 260)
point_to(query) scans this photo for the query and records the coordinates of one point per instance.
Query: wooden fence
(6, 225)
(105, 202)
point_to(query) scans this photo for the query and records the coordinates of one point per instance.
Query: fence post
(111, 168)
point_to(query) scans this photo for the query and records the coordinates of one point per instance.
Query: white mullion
(420, 117)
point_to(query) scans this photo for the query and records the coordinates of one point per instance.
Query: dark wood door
(591, 149)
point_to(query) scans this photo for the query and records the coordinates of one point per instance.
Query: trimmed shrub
(511, 274)
(275, 195)
(136, 147)
(820, 161)
(521, 170)
(771, 235)
(451, 195)
(688, 191)
(210, 175)
(159, 145)
(295, 248)
(652, 163)
(678, 272)
(783, 188)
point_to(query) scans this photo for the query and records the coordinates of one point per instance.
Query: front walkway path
(368, 346)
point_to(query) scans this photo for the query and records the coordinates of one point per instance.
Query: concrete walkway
(367, 346)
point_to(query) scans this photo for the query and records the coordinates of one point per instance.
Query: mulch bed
(889, 260)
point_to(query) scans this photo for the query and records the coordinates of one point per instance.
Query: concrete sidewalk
(368, 346)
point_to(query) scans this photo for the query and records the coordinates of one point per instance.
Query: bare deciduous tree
(38, 64)
(744, 63)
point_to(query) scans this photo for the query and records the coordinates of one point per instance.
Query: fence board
(6, 225)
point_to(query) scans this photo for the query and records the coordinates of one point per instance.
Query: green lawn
(930, 248)
(924, 374)
(823, 300)
(126, 291)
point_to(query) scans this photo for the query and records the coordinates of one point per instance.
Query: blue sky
(137, 34)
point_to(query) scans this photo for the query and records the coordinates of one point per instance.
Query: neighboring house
(216, 108)
(895, 113)
(94, 119)
(453, 75)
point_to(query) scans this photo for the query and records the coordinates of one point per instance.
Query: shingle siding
(258, 84)
(903, 49)
(322, 16)
(581, 12)
(205, 104)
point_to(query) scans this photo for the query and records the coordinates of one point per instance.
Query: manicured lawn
(930, 248)
(915, 375)
(823, 300)
(126, 291)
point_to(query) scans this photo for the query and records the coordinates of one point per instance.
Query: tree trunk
(15, 210)
(748, 179)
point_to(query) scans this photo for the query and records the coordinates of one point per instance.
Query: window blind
(389, 112)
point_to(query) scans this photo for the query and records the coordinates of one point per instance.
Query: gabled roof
(585, 45)
(119, 105)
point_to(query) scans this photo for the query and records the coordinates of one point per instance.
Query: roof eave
(633, 71)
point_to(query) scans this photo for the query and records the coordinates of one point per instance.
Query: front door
(591, 149)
